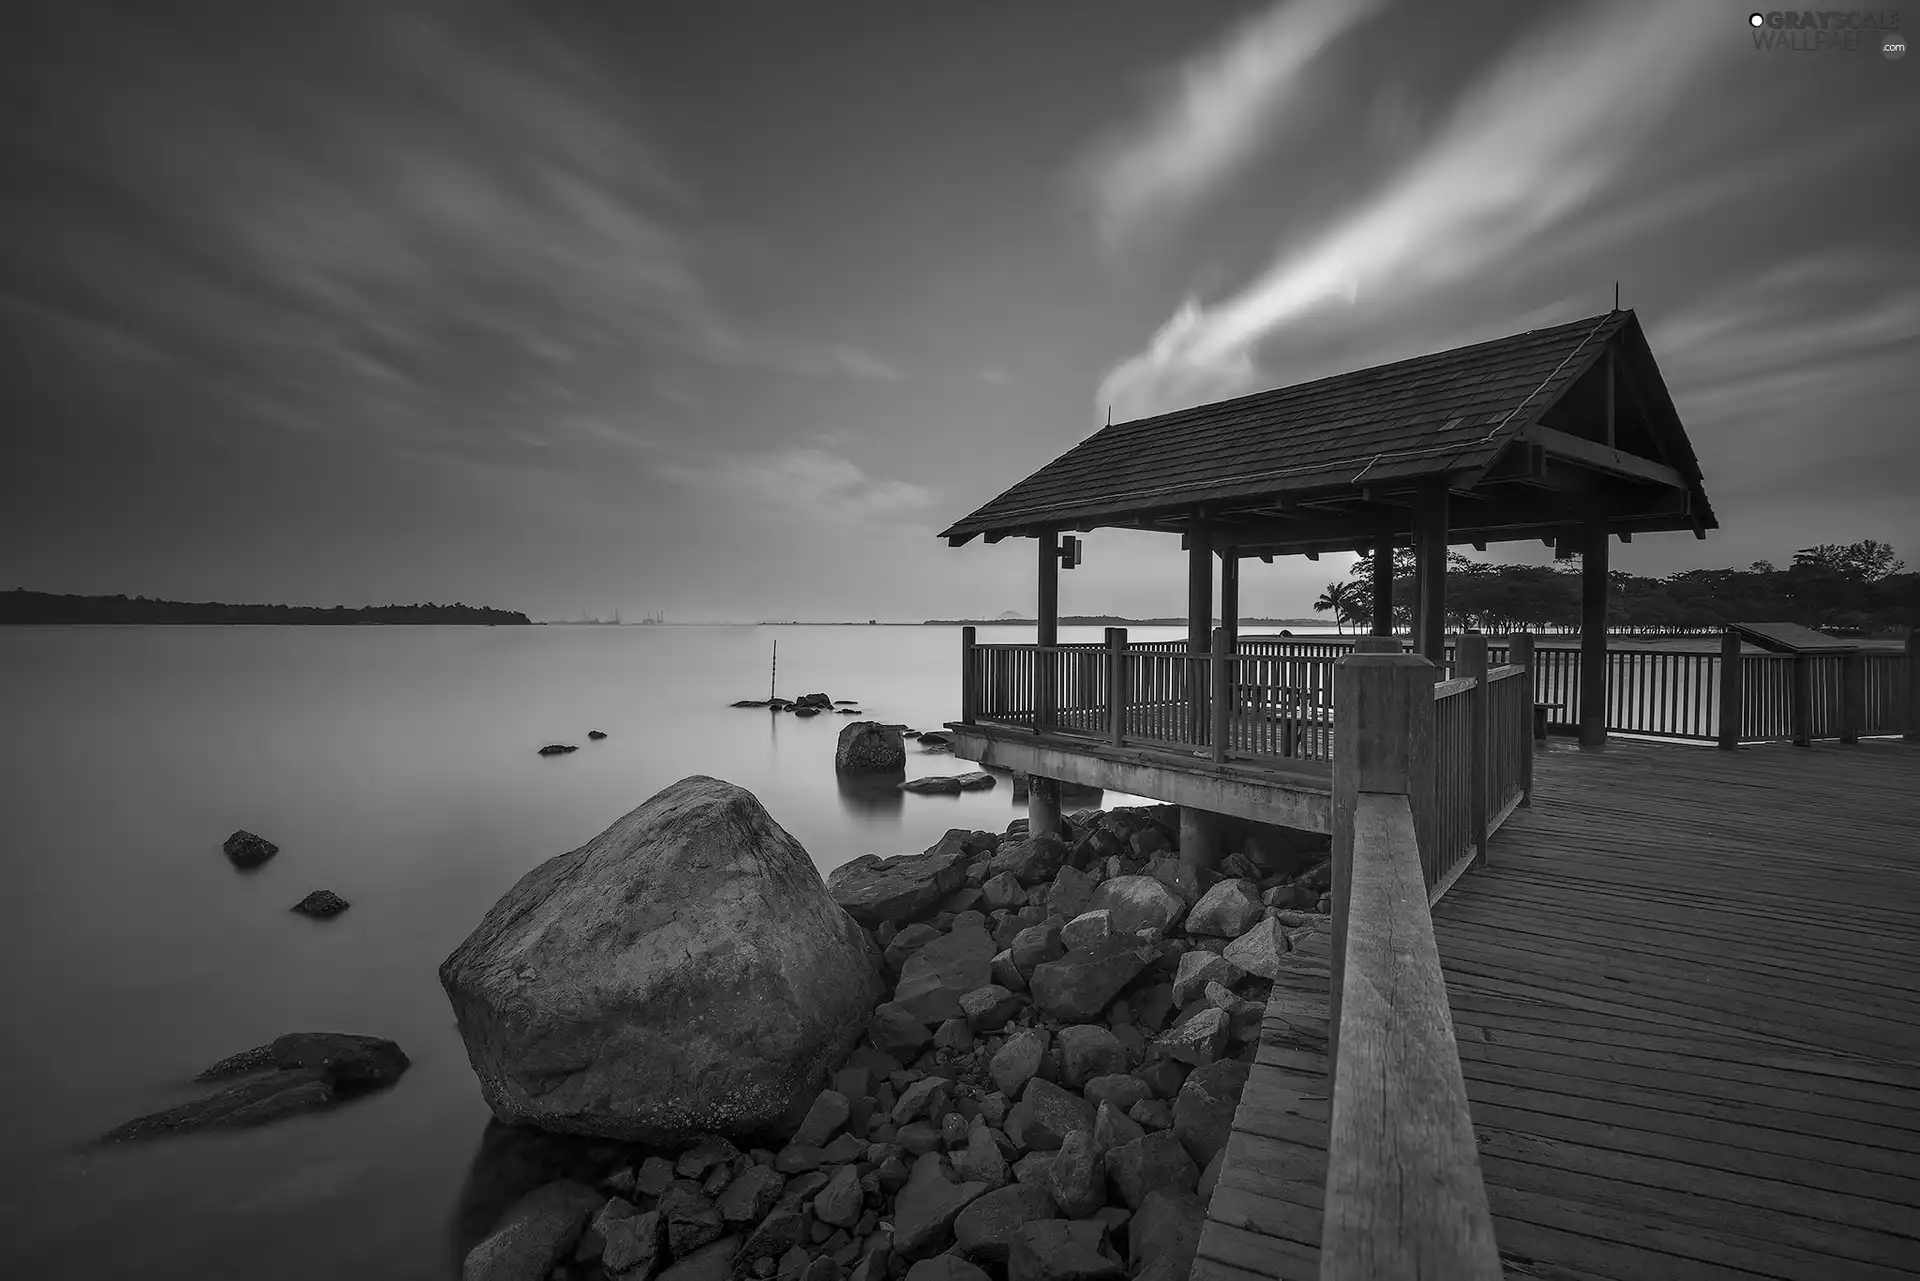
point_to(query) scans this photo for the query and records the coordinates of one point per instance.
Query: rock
(1078, 1176)
(933, 738)
(986, 1227)
(691, 1220)
(1197, 969)
(632, 1243)
(709, 1263)
(1061, 1250)
(933, 785)
(244, 849)
(1031, 1169)
(940, 973)
(1113, 1127)
(945, 1267)
(975, 781)
(987, 1009)
(1071, 890)
(1078, 986)
(804, 712)
(1151, 1114)
(1210, 1177)
(813, 700)
(751, 1195)
(1177, 875)
(559, 749)
(656, 1173)
(874, 889)
(784, 1227)
(1121, 1089)
(868, 747)
(539, 1230)
(1087, 929)
(894, 1030)
(1152, 1005)
(1087, 1051)
(1035, 944)
(1198, 1041)
(1163, 1076)
(841, 1201)
(1002, 892)
(924, 1210)
(1032, 860)
(1006, 973)
(1227, 910)
(829, 1112)
(1018, 1060)
(905, 943)
(1137, 903)
(916, 1100)
(297, 1073)
(1165, 1228)
(321, 903)
(1050, 1114)
(710, 982)
(1157, 1160)
(1259, 949)
(1203, 1112)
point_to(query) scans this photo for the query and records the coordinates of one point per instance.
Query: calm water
(397, 767)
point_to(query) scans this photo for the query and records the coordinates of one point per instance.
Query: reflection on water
(872, 795)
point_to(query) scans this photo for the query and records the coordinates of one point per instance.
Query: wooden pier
(1684, 998)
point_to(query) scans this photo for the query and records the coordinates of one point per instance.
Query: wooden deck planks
(1684, 996)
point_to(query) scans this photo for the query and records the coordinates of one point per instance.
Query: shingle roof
(1445, 412)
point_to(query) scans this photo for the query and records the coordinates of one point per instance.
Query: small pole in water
(773, 670)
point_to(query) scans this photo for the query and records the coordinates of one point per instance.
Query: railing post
(1802, 701)
(1730, 691)
(1520, 654)
(1222, 687)
(1470, 653)
(969, 679)
(1117, 684)
(1912, 733)
(1853, 696)
(1382, 742)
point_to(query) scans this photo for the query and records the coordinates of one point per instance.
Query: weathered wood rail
(1683, 1014)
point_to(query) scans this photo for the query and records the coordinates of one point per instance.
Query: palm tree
(1340, 599)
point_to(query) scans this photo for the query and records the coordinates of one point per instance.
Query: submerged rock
(297, 1073)
(559, 749)
(684, 973)
(321, 903)
(596, 734)
(244, 849)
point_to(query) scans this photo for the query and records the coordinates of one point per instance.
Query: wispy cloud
(995, 377)
(1526, 147)
(859, 363)
(811, 480)
(1212, 117)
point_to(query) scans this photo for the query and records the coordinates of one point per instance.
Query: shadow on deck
(1685, 1004)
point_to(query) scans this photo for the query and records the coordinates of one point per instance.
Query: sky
(722, 310)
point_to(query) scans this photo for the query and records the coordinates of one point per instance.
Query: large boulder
(868, 747)
(1137, 903)
(1032, 860)
(684, 973)
(873, 889)
(1080, 985)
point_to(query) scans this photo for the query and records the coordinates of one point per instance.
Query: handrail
(1404, 1195)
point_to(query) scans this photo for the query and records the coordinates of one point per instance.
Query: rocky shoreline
(1025, 1064)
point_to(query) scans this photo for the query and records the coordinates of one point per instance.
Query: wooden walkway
(1687, 998)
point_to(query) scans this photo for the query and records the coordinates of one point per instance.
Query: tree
(1867, 561)
(1339, 598)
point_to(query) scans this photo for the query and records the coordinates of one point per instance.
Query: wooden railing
(1404, 1196)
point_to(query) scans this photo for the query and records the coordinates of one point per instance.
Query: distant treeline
(19, 606)
(1856, 588)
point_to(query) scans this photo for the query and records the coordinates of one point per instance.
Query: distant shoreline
(45, 609)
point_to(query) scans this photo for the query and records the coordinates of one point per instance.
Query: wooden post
(969, 679)
(1230, 598)
(1520, 654)
(1117, 683)
(1043, 806)
(1853, 696)
(1470, 659)
(1593, 638)
(1382, 742)
(1912, 733)
(1801, 713)
(1047, 634)
(1199, 623)
(1730, 691)
(1383, 588)
(1430, 560)
(1222, 693)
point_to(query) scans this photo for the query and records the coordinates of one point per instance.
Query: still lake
(396, 766)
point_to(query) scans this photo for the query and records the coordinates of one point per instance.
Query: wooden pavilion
(1565, 434)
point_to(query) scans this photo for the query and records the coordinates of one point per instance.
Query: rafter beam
(1598, 457)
